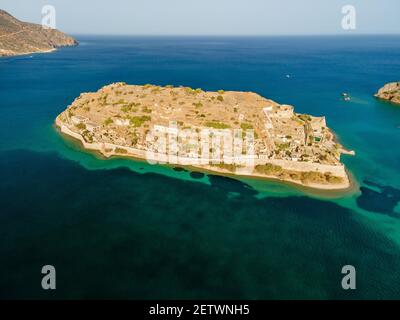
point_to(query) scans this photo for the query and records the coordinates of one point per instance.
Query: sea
(125, 229)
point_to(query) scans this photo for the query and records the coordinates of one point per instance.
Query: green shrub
(108, 121)
(121, 150)
(146, 109)
(138, 121)
(269, 169)
(126, 108)
(131, 107)
(198, 104)
(80, 126)
(304, 117)
(283, 146)
(246, 126)
(333, 179)
(230, 167)
(217, 125)
(189, 90)
(313, 176)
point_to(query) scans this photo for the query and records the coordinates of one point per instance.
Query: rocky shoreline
(317, 176)
(108, 151)
(390, 92)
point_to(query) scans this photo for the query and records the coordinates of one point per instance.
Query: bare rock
(390, 92)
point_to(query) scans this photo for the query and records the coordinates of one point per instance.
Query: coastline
(343, 187)
(390, 92)
(19, 38)
(28, 53)
(35, 52)
(387, 101)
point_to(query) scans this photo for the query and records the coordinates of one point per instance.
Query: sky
(211, 17)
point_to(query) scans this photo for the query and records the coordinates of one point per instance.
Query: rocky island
(229, 132)
(390, 92)
(18, 38)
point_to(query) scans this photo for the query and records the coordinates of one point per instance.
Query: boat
(346, 96)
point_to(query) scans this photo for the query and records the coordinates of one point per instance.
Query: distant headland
(19, 38)
(390, 92)
(229, 132)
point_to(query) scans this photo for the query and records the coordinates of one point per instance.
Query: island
(228, 132)
(390, 92)
(19, 38)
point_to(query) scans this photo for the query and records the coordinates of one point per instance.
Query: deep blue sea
(125, 229)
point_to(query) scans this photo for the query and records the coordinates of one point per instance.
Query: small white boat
(346, 96)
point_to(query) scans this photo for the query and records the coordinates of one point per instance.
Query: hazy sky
(210, 17)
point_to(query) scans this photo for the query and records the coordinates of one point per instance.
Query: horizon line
(235, 35)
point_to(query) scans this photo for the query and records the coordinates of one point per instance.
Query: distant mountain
(17, 37)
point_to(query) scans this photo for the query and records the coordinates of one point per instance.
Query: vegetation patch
(269, 169)
(121, 150)
(229, 167)
(217, 125)
(246, 126)
(138, 121)
(108, 121)
(80, 126)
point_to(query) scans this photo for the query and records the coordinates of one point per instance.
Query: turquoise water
(124, 229)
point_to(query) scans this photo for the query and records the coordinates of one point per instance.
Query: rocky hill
(390, 92)
(17, 37)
